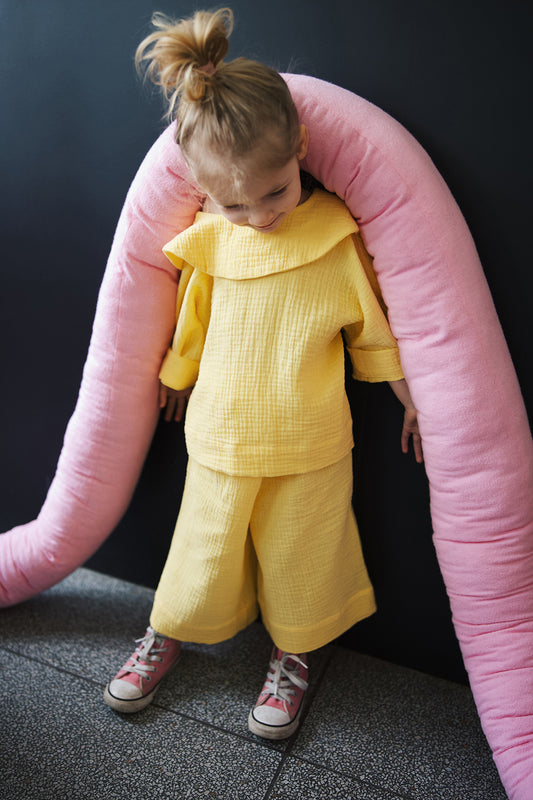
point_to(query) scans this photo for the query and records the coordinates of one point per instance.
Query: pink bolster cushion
(477, 444)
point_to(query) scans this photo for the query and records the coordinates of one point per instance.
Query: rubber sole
(128, 706)
(273, 731)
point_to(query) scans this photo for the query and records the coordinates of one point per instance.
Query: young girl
(273, 276)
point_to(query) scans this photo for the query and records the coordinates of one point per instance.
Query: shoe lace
(151, 645)
(282, 676)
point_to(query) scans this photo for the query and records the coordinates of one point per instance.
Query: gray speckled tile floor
(371, 731)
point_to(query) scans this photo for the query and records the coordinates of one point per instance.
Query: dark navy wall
(75, 124)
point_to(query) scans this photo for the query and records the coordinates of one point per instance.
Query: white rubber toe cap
(123, 690)
(271, 716)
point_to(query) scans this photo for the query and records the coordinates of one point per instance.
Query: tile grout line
(256, 740)
(286, 754)
(395, 794)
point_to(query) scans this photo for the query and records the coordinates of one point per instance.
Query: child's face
(260, 199)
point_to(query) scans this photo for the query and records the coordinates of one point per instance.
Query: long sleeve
(372, 347)
(193, 308)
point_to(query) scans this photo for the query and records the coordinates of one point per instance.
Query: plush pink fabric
(478, 449)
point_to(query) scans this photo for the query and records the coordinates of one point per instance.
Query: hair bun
(180, 56)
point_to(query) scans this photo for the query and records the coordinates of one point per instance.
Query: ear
(303, 143)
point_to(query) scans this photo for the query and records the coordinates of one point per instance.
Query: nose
(261, 218)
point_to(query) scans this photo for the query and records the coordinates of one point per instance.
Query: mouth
(269, 227)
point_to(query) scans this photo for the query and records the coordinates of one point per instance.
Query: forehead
(246, 188)
(238, 181)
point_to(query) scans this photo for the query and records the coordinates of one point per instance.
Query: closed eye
(239, 206)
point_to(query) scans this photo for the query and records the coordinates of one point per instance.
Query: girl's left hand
(410, 430)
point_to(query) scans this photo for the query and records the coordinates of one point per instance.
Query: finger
(169, 410)
(180, 405)
(417, 448)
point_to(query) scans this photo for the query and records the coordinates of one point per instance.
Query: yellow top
(259, 331)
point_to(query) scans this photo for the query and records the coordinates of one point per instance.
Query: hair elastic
(209, 68)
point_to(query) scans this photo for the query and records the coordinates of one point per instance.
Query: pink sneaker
(135, 685)
(276, 715)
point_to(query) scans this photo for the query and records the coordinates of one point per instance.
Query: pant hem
(182, 632)
(304, 640)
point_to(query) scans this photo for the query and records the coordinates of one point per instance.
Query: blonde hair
(229, 107)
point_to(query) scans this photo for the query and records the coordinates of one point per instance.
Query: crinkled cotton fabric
(261, 320)
(288, 545)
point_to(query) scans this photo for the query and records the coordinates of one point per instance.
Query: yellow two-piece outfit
(266, 519)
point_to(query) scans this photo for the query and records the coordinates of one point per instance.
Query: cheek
(294, 198)
(233, 216)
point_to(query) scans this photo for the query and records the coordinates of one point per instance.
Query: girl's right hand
(173, 401)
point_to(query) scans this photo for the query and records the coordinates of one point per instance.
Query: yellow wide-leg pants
(287, 545)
